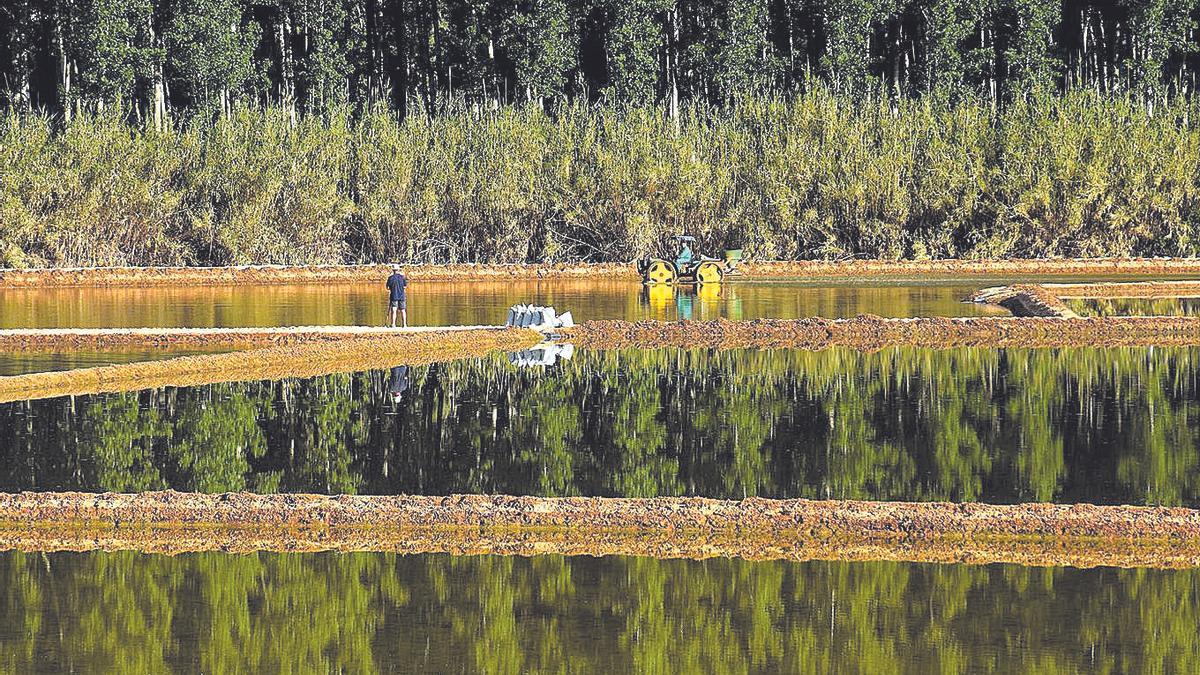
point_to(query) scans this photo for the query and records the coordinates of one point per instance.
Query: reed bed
(816, 176)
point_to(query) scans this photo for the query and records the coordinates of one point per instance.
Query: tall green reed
(820, 175)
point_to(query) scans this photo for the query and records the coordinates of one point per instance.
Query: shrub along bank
(820, 176)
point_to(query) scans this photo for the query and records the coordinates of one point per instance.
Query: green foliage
(542, 46)
(208, 50)
(203, 57)
(117, 53)
(822, 175)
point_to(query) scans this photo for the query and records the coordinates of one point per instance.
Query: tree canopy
(155, 56)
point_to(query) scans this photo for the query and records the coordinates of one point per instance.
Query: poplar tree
(208, 53)
(151, 56)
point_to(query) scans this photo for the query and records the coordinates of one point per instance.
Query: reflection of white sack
(546, 355)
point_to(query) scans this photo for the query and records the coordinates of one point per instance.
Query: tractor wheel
(709, 273)
(659, 272)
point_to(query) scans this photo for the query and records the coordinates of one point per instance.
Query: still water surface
(18, 363)
(373, 612)
(471, 303)
(1070, 425)
(1135, 306)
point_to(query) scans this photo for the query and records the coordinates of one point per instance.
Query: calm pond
(373, 612)
(1070, 425)
(474, 303)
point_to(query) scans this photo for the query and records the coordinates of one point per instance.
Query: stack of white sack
(537, 317)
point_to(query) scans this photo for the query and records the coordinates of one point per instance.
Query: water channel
(1113, 426)
(475, 302)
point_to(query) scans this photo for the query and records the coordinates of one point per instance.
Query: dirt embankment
(854, 269)
(1042, 534)
(1027, 300)
(919, 269)
(101, 339)
(310, 274)
(1046, 300)
(311, 359)
(1136, 289)
(871, 332)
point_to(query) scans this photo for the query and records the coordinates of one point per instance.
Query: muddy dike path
(673, 527)
(811, 269)
(296, 357)
(872, 332)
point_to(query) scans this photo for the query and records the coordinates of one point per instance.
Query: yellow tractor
(686, 268)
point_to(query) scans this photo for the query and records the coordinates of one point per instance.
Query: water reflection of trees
(362, 613)
(1109, 425)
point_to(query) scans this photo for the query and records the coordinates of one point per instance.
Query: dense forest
(159, 55)
(164, 132)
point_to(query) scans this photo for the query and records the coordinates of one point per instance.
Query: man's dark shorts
(400, 304)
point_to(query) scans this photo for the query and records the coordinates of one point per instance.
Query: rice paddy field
(903, 426)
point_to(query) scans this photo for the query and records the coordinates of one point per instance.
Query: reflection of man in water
(399, 383)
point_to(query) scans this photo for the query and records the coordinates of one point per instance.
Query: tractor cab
(685, 268)
(685, 256)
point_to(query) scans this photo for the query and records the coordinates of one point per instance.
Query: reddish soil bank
(101, 339)
(855, 269)
(309, 274)
(1044, 534)
(918, 269)
(1138, 289)
(871, 332)
(320, 357)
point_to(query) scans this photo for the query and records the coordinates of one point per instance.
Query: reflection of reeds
(816, 176)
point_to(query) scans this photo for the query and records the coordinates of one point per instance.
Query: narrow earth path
(1035, 534)
(321, 356)
(57, 339)
(810, 269)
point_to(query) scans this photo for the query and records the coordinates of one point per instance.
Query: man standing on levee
(397, 283)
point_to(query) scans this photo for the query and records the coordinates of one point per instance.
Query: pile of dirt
(812, 269)
(1027, 300)
(872, 332)
(173, 522)
(298, 359)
